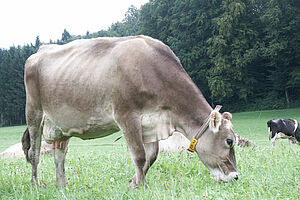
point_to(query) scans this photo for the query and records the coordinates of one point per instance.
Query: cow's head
(215, 148)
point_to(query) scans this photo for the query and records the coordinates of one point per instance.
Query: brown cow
(93, 88)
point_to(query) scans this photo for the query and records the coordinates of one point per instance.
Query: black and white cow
(284, 128)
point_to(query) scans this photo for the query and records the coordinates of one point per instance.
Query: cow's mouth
(220, 177)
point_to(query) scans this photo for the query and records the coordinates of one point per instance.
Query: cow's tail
(26, 143)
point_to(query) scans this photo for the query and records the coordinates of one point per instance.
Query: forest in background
(242, 54)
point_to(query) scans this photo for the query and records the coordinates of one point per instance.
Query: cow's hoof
(62, 186)
(133, 179)
(35, 182)
(132, 185)
(136, 186)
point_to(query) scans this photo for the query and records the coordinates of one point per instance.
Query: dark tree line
(244, 55)
(12, 92)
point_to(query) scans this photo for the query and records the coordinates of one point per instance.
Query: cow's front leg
(60, 151)
(132, 130)
(151, 155)
(273, 140)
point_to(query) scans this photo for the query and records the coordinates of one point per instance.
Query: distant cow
(284, 128)
(243, 142)
(96, 87)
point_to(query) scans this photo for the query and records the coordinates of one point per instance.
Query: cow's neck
(190, 117)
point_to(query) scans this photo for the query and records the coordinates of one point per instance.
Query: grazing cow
(284, 128)
(93, 88)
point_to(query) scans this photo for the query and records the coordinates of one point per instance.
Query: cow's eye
(229, 142)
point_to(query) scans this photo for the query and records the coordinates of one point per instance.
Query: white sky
(22, 20)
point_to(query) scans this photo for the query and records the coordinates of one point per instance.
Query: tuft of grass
(101, 169)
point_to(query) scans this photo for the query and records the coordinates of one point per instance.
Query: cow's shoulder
(273, 122)
(277, 121)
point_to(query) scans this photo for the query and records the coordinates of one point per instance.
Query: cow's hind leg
(34, 114)
(34, 119)
(132, 131)
(60, 151)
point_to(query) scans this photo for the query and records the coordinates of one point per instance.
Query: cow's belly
(282, 135)
(92, 131)
(52, 132)
(79, 125)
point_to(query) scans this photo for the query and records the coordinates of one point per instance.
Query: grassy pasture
(100, 169)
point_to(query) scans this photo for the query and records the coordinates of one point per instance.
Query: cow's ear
(227, 115)
(215, 121)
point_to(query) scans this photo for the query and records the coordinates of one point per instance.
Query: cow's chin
(219, 176)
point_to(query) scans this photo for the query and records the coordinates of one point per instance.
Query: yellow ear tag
(193, 145)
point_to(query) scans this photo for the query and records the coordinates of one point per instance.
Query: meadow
(101, 169)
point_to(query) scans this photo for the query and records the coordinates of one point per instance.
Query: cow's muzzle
(219, 176)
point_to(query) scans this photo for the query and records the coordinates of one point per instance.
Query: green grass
(100, 169)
